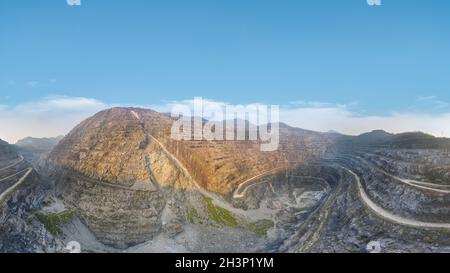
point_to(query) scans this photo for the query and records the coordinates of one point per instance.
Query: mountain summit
(127, 178)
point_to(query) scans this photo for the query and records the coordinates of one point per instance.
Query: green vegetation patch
(220, 215)
(224, 217)
(261, 227)
(54, 221)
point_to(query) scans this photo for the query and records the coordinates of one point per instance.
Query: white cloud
(347, 122)
(48, 117)
(323, 117)
(54, 116)
(434, 101)
(316, 104)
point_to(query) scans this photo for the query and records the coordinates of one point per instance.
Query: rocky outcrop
(19, 229)
(128, 180)
(112, 146)
(130, 212)
(7, 152)
(21, 194)
(386, 182)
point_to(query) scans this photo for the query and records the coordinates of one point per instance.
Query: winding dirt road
(388, 215)
(240, 192)
(236, 193)
(414, 183)
(21, 159)
(215, 199)
(12, 175)
(13, 187)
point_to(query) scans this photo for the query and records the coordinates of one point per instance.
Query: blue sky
(375, 61)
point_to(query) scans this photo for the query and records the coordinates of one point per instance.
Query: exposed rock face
(128, 180)
(119, 187)
(387, 172)
(113, 146)
(18, 231)
(7, 152)
(10, 164)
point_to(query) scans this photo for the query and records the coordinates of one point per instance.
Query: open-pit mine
(119, 183)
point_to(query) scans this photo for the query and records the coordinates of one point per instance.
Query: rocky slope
(113, 144)
(20, 193)
(128, 180)
(119, 182)
(7, 152)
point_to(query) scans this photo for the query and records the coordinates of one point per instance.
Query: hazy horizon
(166, 109)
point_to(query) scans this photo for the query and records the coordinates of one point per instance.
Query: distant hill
(34, 148)
(380, 138)
(38, 144)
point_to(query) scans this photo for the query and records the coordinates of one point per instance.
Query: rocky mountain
(119, 182)
(35, 148)
(112, 146)
(124, 174)
(38, 145)
(20, 193)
